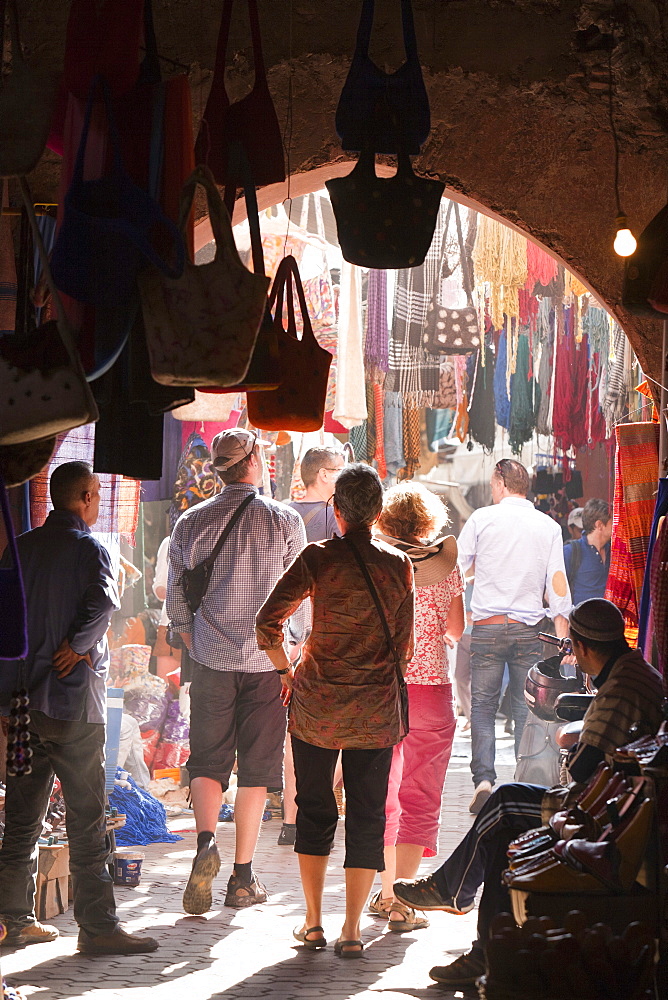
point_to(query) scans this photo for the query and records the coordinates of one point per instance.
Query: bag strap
(436, 294)
(408, 25)
(224, 36)
(463, 258)
(379, 608)
(14, 34)
(287, 273)
(221, 225)
(227, 529)
(239, 173)
(114, 138)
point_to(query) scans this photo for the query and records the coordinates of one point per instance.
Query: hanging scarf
(541, 268)
(196, 478)
(524, 399)
(393, 417)
(501, 397)
(569, 417)
(411, 432)
(482, 426)
(411, 370)
(350, 404)
(378, 409)
(376, 344)
(500, 261)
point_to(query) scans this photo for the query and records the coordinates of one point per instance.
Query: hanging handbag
(26, 98)
(251, 122)
(644, 266)
(43, 388)
(385, 222)
(110, 229)
(299, 402)
(201, 328)
(13, 615)
(383, 109)
(447, 330)
(103, 38)
(402, 691)
(207, 407)
(21, 462)
(264, 371)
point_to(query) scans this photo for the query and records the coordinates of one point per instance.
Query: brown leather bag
(298, 404)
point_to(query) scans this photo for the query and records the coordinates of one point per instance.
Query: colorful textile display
(119, 497)
(636, 473)
(379, 413)
(501, 396)
(541, 268)
(653, 613)
(569, 418)
(196, 479)
(411, 370)
(146, 819)
(412, 448)
(482, 426)
(393, 417)
(500, 260)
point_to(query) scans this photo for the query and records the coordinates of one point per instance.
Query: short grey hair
(359, 495)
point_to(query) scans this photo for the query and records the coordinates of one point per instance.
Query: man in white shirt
(519, 561)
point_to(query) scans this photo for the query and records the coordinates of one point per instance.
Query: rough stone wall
(519, 96)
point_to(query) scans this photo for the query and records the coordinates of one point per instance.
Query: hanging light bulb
(625, 242)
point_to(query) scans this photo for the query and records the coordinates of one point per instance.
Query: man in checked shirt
(236, 692)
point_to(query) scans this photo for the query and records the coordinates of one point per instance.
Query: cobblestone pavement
(248, 954)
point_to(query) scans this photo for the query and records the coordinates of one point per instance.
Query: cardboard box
(52, 881)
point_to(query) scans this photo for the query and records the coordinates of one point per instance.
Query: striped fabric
(119, 496)
(632, 693)
(636, 475)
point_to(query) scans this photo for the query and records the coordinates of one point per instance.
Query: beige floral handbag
(201, 328)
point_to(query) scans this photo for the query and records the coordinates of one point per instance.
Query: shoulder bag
(401, 681)
(110, 228)
(452, 331)
(196, 581)
(201, 328)
(13, 615)
(385, 222)
(26, 98)
(264, 371)
(380, 108)
(252, 121)
(43, 385)
(299, 402)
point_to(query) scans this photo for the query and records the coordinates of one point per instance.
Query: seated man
(628, 691)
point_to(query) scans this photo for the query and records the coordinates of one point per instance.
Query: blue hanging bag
(111, 229)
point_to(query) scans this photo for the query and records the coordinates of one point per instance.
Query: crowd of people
(333, 617)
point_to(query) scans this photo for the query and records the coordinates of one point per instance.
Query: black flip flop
(312, 945)
(356, 953)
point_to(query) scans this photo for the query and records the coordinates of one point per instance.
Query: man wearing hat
(628, 691)
(574, 523)
(236, 708)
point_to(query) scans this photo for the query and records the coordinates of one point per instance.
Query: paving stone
(244, 954)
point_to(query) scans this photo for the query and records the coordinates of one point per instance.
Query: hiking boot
(464, 971)
(118, 942)
(21, 935)
(243, 894)
(423, 894)
(197, 897)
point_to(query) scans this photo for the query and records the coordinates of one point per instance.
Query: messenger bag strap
(227, 529)
(379, 608)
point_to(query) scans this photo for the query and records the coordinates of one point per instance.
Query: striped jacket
(632, 693)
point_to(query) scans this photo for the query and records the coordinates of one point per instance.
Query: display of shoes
(242, 894)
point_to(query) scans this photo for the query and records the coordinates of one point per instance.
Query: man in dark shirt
(628, 691)
(71, 595)
(587, 559)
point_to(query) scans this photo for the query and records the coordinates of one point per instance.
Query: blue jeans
(481, 855)
(492, 647)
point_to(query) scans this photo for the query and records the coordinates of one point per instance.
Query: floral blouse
(345, 692)
(430, 663)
